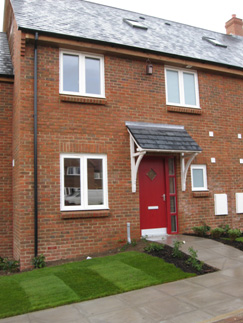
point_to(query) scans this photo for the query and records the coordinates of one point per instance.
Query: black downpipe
(35, 149)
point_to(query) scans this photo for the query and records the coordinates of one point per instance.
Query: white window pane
(95, 182)
(72, 181)
(189, 88)
(70, 73)
(172, 86)
(92, 75)
(198, 178)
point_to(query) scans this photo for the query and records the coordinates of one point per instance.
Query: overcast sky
(208, 14)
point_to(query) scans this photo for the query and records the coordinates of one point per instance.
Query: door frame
(171, 215)
(168, 209)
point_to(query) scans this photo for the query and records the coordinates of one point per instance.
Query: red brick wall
(6, 220)
(67, 127)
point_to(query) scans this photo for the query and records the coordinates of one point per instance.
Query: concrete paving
(215, 297)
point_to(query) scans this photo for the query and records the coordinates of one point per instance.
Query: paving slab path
(215, 297)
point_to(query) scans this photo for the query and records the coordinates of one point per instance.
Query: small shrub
(39, 261)
(226, 228)
(217, 233)
(134, 242)
(202, 230)
(144, 238)
(195, 263)
(1, 263)
(176, 250)
(233, 234)
(153, 246)
(10, 265)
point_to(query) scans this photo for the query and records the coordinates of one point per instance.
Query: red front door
(152, 193)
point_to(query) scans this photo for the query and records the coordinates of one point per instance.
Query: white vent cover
(220, 204)
(239, 202)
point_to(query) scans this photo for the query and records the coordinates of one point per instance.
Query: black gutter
(35, 150)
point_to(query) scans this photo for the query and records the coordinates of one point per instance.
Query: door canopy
(164, 138)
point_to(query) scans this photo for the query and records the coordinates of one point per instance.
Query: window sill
(81, 99)
(184, 110)
(201, 194)
(85, 214)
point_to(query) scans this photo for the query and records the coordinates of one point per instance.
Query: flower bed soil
(166, 254)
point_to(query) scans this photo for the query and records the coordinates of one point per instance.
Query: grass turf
(79, 281)
(240, 239)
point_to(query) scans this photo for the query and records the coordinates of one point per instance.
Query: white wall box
(239, 202)
(220, 204)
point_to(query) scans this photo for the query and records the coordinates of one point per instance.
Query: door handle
(163, 196)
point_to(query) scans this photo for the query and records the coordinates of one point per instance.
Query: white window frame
(181, 87)
(84, 182)
(204, 169)
(82, 90)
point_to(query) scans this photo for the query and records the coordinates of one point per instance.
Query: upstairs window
(199, 177)
(181, 88)
(81, 74)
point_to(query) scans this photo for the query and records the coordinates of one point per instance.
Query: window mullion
(81, 74)
(105, 184)
(181, 86)
(196, 87)
(62, 182)
(85, 182)
(102, 77)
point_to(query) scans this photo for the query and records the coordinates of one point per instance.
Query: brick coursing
(6, 220)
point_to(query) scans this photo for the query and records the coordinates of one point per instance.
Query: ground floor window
(83, 182)
(199, 177)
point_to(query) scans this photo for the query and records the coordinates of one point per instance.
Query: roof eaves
(145, 50)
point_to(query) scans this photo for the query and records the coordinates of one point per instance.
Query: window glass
(173, 223)
(173, 86)
(92, 75)
(95, 182)
(172, 204)
(198, 178)
(172, 185)
(72, 181)
(70, 73)
(189, 88)
(171, 166)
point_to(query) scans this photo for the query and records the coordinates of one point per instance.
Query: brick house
(110, 117)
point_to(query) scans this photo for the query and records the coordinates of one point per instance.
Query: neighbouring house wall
(22, 193)
(6, 220)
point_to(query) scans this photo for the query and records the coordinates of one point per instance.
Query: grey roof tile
(162, 137)
(91, 21)
(6, 67)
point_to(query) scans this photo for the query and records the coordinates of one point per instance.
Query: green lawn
(84, 280)
(240, 239)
